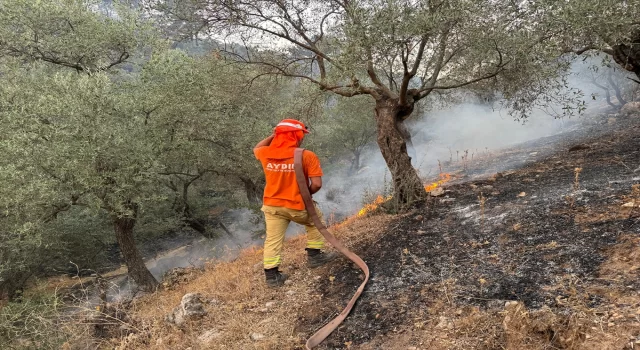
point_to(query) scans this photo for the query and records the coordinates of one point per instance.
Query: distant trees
(611, 81)
(347, 129)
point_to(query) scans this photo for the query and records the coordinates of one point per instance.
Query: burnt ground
(497, 236)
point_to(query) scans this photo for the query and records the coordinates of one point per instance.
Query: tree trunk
(616, 88)
(608, 97)
(355, 163)
(253, 190)
(607, 93)
(628, 56)
(196, 224)
(123, 225)
(391, 140)
(182, 208)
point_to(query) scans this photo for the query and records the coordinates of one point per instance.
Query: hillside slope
(545, 255)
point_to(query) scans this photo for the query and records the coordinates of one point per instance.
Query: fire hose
(303, 184)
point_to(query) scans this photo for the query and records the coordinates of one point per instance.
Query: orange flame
(373, 206)
(444, 178)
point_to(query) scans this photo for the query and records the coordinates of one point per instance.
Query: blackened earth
(497, 234)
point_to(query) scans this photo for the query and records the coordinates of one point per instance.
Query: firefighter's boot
(274, 277)
(317, 258)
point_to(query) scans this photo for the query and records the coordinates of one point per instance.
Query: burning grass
(444, 178)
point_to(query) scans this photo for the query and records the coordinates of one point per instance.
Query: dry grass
(238, 298)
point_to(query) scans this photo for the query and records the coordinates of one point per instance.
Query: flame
(366, 209)
(444, 178)
(373, 206)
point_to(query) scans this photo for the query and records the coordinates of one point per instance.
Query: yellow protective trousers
(277, 220)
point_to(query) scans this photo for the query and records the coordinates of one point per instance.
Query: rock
(270, 304)
(495, 304)
(612, 120)
(444, 322)
(291, 292)
(190, 307)
(418, 218)
(256, 336)
(209, 336)
(179, 275)
(438, 191)
(630, 109)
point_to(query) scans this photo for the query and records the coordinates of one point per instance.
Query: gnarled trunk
(253, 189)
(392, 136)
(628, 56)
(137, 270)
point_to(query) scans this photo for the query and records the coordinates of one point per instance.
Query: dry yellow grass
(240, 296)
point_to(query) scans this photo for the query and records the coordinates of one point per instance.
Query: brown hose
(303, 184)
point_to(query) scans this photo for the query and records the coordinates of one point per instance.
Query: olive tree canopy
(397, 52)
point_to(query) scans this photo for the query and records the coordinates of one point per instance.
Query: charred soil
(543, 235)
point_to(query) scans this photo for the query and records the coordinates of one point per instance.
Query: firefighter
(282, 201)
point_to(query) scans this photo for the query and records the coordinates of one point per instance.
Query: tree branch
(408, 75)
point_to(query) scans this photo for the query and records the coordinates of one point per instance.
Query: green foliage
(79, 34)
(594, 27)
(401, 50)
(155, 127)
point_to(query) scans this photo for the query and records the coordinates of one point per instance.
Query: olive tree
(396, 52)
(611, 79)
(116, 124)
(110, 122)
(605, 26)
(68, 132)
